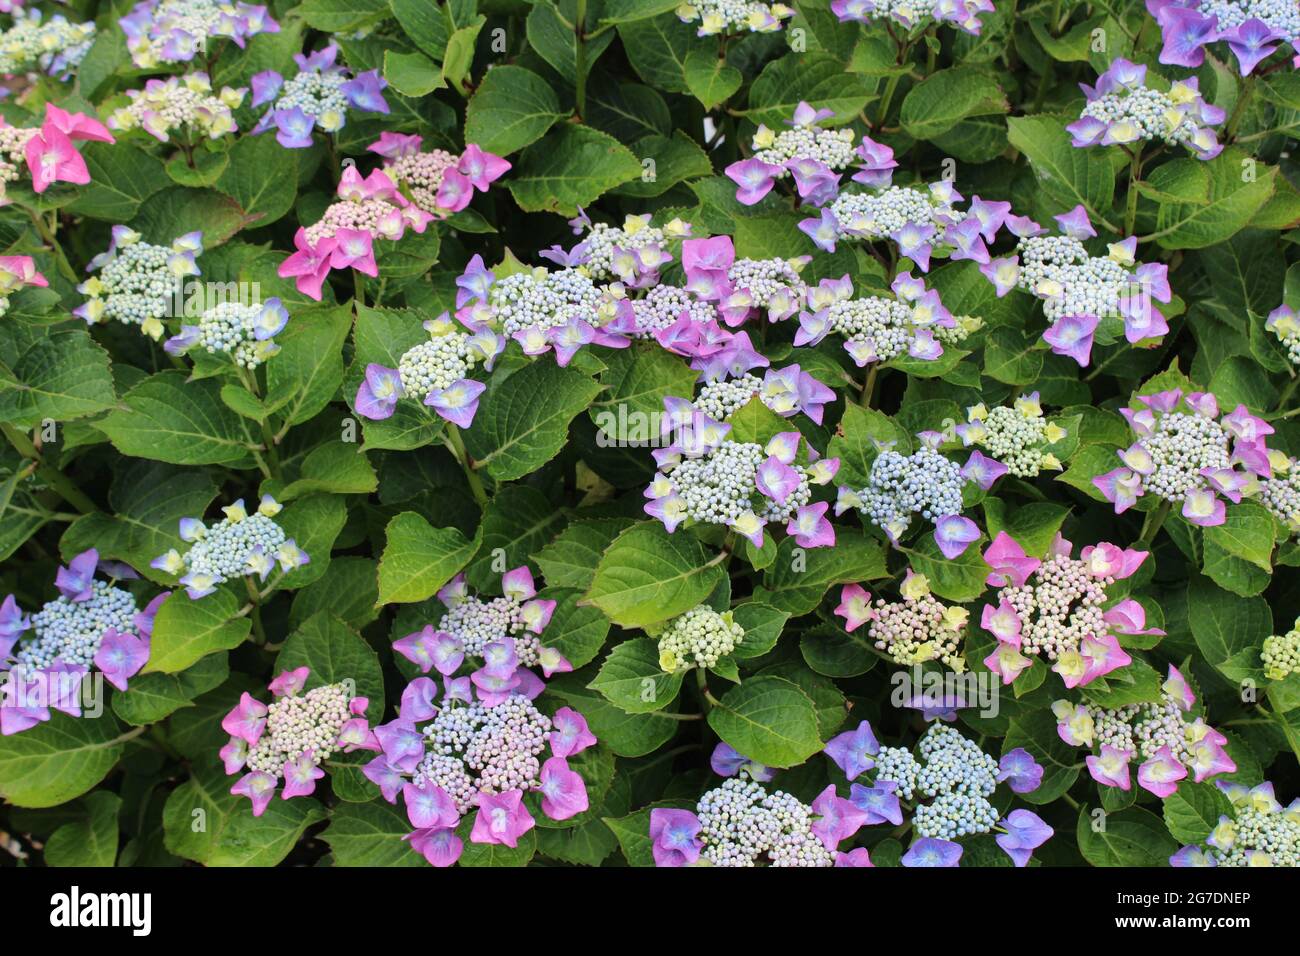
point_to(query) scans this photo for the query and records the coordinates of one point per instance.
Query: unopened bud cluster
(539, 300)
(55, 46)
(472, 749)
(918, 629)
(742, 825)
(420, 174)
(243, 332)
(477, 622)
(833, 148)
(71, 631)
(1260, 832)
(297, 724)
(876, 215)
(137, 280)
(902, 486)
(1059, 606)
(699, 638)
(1016, 435)
(632, 252)
(176, 31)
(179, 103)
(665, 304)
(729, 17)
(720, 487)
(239, 544)
(434, 365)
(1060, 272)
(953, 773)
(1281, 654)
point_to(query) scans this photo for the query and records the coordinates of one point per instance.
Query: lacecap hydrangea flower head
(806, 153)
(138, 281)
(1157, 734)
(437, 181)
(184, 104)
(318, 96)
(1078, 290)
(731, 17)
(955, 776)
(914, 630)
(632, 253)
(55, 46)
(1259, 831)
(875, 328)
(963, 14)
(1188, 452)
(434, 373)
(176, 31)
(741, 824)
(243, 332)
(544, 310)
(1122, 110)
(284, 743)
(923, 483)
(703, 477)
(481, 748)
(239, 545)
(93, 623)
(1281, 654)
(1058, 608)
(1016, 436)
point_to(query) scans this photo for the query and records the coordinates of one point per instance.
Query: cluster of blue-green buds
(239, 545)
(138, 282)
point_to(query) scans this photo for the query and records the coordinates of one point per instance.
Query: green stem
(891, 87)
(1151, 526)
(1239, 111)
(1288, 392)
(701, 682)
(869, 386)
(580, 57)
(457, 446)
(359, 287)
(47, 237)
(1134, 174)
(60, 483)
(259, 632)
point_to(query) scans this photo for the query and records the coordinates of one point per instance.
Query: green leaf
(675, 159)
(632, 680)
(1069, 176)
(57, 375)
(203, 821)
(151, 697)
(342, 16)
(58, 760)
(335, 467)
(1238, 553)
(122, 178)
(648, 575)
(334, 653)
(628, 735)
(514, 433)
(570, 560)
(511, 108)
(552, 37)
(169, 419)
(1193, 810)
(816, 78)
(425, 24)
(657, 49)
(1228, 629)
(1132, 837)
(90, 840)
(419, 559)
(710, 79)
(1012, 357)
(517, 522)
(175, 211)
(412, 74)
(262, 177)
(800, 577)
(943, 99)
(1204, 203)
(370, 834)
(768, 719)
(763, 625)
(185, 630)
(570, 167)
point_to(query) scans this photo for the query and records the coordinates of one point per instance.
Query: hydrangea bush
(844, 433)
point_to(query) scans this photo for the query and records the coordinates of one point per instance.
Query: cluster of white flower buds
(179, 103)
(1260, 832)
(919, 628)
(138, 281)
(1285, 324)
(1281, 654)
(1059, 606)
(433, 365)
(477, 622)
(298, 724)
(960, 778)
(244, 332)
(1280, 492)
(729, 17)
(1017, 435)
(538, 300)
(1280, 16)
(741, 825)
(1069, 281)
(833, 148)
(886, 212)
(55, 46)
(902, 486)
(1122, 109)
(473, 748)
(664, 304)
(239, 544)
(699, 638)
(632, 252)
